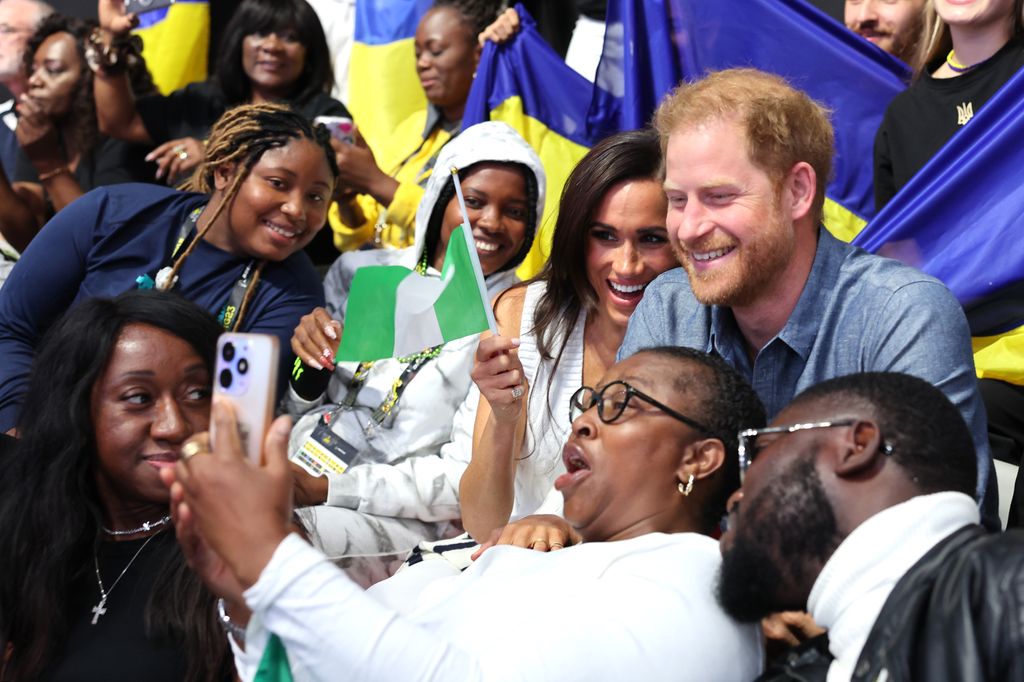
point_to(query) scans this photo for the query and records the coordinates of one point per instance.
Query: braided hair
(240, 137)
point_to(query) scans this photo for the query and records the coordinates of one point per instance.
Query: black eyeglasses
(747, 446)
(612, 401)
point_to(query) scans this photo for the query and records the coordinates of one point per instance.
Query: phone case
(246, 374)
(138, 6)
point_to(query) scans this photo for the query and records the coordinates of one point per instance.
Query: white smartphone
(341, 128)
(246, 374)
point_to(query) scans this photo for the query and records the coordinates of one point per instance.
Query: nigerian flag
(393, 312)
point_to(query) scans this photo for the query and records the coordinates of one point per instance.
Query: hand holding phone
(246, 375)
(341, 128)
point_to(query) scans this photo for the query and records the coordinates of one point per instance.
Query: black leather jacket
(957, 615)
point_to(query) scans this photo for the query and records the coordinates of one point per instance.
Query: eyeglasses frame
(631, 391)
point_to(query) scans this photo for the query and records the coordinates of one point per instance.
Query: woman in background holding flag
(394, 417)
(560, 330)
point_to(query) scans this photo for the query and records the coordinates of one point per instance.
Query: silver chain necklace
(144, 528)
(100, 608)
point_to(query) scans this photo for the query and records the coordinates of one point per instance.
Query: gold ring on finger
(191, 449)
(536, 540)
(556, 545)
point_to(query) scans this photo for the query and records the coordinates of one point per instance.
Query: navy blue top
(100, 243)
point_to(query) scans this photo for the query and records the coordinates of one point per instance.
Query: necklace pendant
(99, 609)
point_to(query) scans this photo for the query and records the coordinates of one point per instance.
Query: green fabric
(274, 664)
(460, 307)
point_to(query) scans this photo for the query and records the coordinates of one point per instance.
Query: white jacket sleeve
(424, 487)
(331, 629)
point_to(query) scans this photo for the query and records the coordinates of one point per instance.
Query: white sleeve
(332, 630)
(424, 487)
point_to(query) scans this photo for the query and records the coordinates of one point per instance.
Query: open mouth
(576, 468)
(627, 293)
(709, 256)
(286, 232)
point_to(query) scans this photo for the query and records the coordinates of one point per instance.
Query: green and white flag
(393, 312)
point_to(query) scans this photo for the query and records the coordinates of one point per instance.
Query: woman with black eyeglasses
(562, 329)
(649, 463)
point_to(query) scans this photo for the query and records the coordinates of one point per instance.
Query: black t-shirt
(117, 648)
(111, 162)
(920, 120)
(192, 111)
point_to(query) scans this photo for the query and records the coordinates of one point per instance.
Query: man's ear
(701, 459)
(800, 187)
(861, 451)
(223, 175)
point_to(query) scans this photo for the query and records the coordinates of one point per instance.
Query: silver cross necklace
(101, 607)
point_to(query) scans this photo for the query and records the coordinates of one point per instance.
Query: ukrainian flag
(651, 45)
(383, 88)
(960, 219)
(527, 85)
(176, 41)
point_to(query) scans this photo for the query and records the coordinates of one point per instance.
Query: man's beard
(758, 263)
(789, 530)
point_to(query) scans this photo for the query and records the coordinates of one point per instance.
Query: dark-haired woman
(231, 244)
(271, 51)
(385, 186)
(95, 587)
(64, 153)
(563, 329)
(397, 413)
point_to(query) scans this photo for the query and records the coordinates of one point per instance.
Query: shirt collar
(435, 119)
(801, 328)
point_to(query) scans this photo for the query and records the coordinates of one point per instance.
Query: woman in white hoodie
(397, 490)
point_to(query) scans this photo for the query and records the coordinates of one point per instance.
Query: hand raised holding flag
(498, 373)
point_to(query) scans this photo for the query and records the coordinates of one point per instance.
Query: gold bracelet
(54, 173)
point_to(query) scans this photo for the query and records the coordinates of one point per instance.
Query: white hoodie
(403, 471)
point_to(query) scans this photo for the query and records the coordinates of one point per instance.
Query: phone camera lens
(228, 352)
(243, 366)
(225, 378)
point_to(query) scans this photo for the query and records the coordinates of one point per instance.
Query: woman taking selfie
(231, 244)
(95, 587)
(651, 460)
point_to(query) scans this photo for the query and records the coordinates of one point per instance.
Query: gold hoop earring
(685, 490)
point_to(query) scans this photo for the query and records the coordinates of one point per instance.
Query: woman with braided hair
(231, 243)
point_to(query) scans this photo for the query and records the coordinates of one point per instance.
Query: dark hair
(50, 513)
(267, 16)
(80, 130)
(726, 404)
(929, 436)
(630, 155)
(476, 14)
(241, 136)
(432, 238)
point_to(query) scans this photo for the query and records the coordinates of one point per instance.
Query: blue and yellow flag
(651, 45)
(960, 218)
(527, 85)
(383, 88)
(175, 42)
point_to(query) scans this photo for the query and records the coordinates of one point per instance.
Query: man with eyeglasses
(856, 504)
(764, 284)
